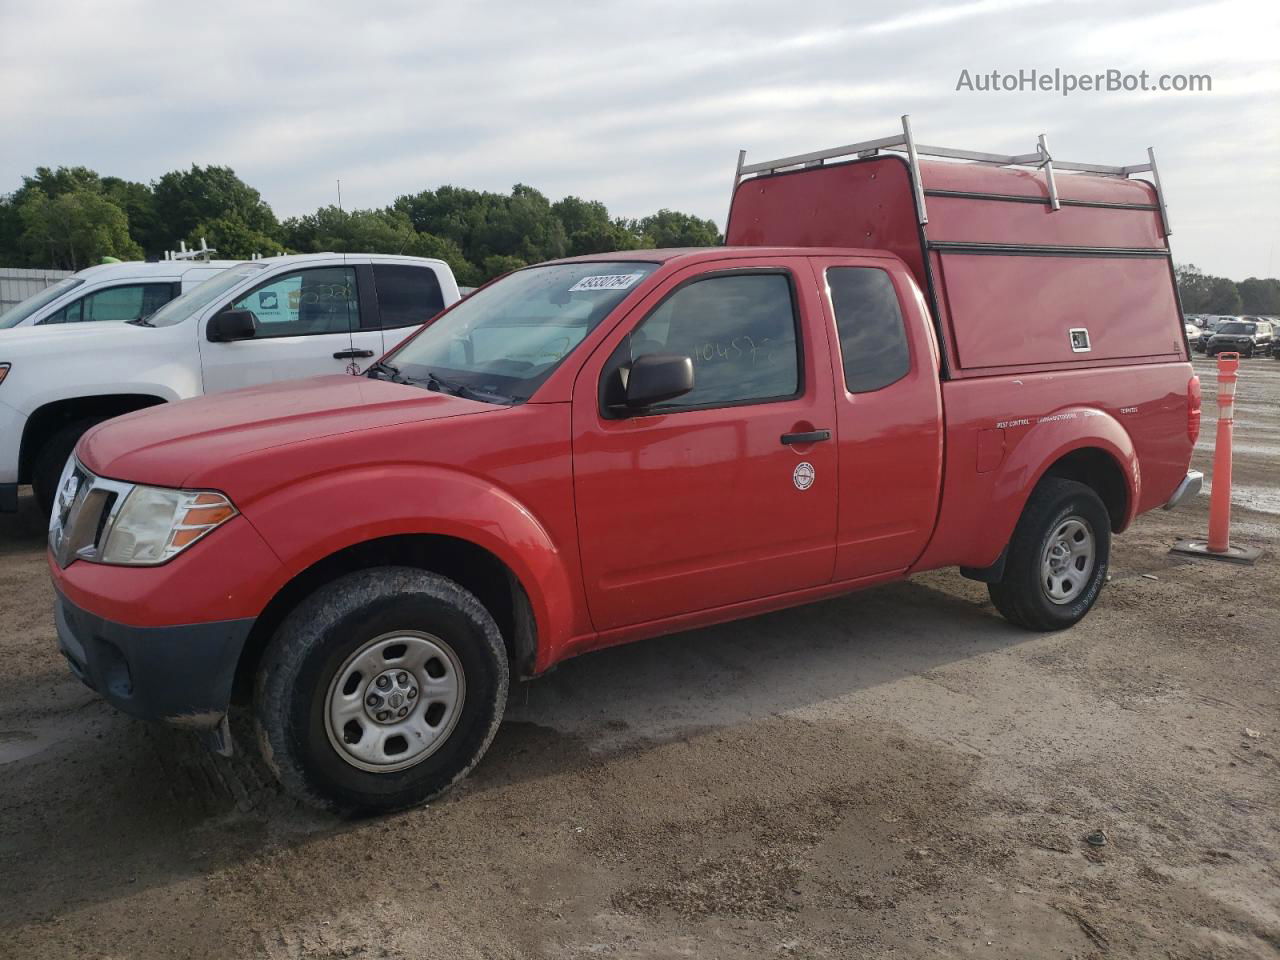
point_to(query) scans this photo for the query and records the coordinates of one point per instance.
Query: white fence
(18, 283)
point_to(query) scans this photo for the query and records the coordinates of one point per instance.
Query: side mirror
(228, 325)
(657, 377)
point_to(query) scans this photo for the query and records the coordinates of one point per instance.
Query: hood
(59, 337)
(165, 445)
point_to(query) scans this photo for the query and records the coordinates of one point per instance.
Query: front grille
(83, 509)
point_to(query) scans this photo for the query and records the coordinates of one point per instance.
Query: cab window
(873, 339)
(305, 303)
(407, 296)
(740, 331)
(130, 302)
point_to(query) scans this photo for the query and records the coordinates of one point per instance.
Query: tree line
(1203, 293)
(69, 218)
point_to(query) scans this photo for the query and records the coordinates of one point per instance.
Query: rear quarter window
(873, 338)
(407, 295)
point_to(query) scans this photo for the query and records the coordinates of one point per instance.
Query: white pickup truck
(111, 291)
(278, 318)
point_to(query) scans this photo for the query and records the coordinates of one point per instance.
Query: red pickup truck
(895, 365)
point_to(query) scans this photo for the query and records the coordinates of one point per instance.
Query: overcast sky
(639, 104)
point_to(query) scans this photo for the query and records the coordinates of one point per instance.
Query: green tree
(671, 228)
(55, 182)
(184, 199)
(1224, 296)
(1260, 296)
(373, 231)
(138, 202)
(74, 230)
(521, 225)
(233, 239)
(445, 212)
(11, 251)
(590, 230)
(497, 265)
(1194, 287)
(350, 231)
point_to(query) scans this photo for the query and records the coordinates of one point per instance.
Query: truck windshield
(16, 314)
(504, 340)
(1238, 327)
(197, 298)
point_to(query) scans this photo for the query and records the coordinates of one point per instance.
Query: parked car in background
(253, 323)
(1248, 336)
(111, 291)
(612, 447)
(1210, 325)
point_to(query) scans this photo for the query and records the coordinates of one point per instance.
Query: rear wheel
(1057, 559)
(380, 691)
(46, 469)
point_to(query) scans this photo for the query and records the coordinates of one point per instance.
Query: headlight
(156, 523)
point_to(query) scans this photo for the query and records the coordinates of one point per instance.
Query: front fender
(312, 519)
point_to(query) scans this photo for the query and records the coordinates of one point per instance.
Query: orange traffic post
(1219, 546)
(1220, 496)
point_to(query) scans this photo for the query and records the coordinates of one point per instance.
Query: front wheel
(50, 459)
(380, 691)
(1058, 557)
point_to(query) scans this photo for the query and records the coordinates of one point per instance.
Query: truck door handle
(813, 436)
(352, 354)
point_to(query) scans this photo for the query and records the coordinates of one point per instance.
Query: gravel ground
(895, 773)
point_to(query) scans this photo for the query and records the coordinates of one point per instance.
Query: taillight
(1193, 409)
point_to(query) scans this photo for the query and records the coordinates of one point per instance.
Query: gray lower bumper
(1189, 487)
(181, 675)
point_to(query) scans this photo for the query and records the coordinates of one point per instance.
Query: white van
(112, 291)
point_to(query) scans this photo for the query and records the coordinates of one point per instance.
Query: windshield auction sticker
(607, 281)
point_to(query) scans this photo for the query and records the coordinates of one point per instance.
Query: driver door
(728, 493)
(309, 323)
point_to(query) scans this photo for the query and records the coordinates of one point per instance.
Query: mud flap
(991, 574)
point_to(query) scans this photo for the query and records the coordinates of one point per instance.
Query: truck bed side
(1126, 429)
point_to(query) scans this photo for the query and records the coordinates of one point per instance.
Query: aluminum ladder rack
(905, 143)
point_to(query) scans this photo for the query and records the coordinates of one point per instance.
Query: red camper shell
(1009, 258)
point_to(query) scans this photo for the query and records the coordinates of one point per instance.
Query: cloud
(639, 105)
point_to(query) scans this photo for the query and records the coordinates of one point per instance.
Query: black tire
(1022, 596)
(49, 460)
(317, 639)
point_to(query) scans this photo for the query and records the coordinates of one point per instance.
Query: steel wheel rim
(394, 701)
(1068, 559)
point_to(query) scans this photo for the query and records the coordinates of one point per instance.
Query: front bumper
(11, 426)
(1189, 487)
(181, 675)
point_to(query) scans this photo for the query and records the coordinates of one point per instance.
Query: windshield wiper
(455, 389)
(392, 373)
(140, 322)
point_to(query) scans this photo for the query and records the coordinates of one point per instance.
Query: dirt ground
(896, 773)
